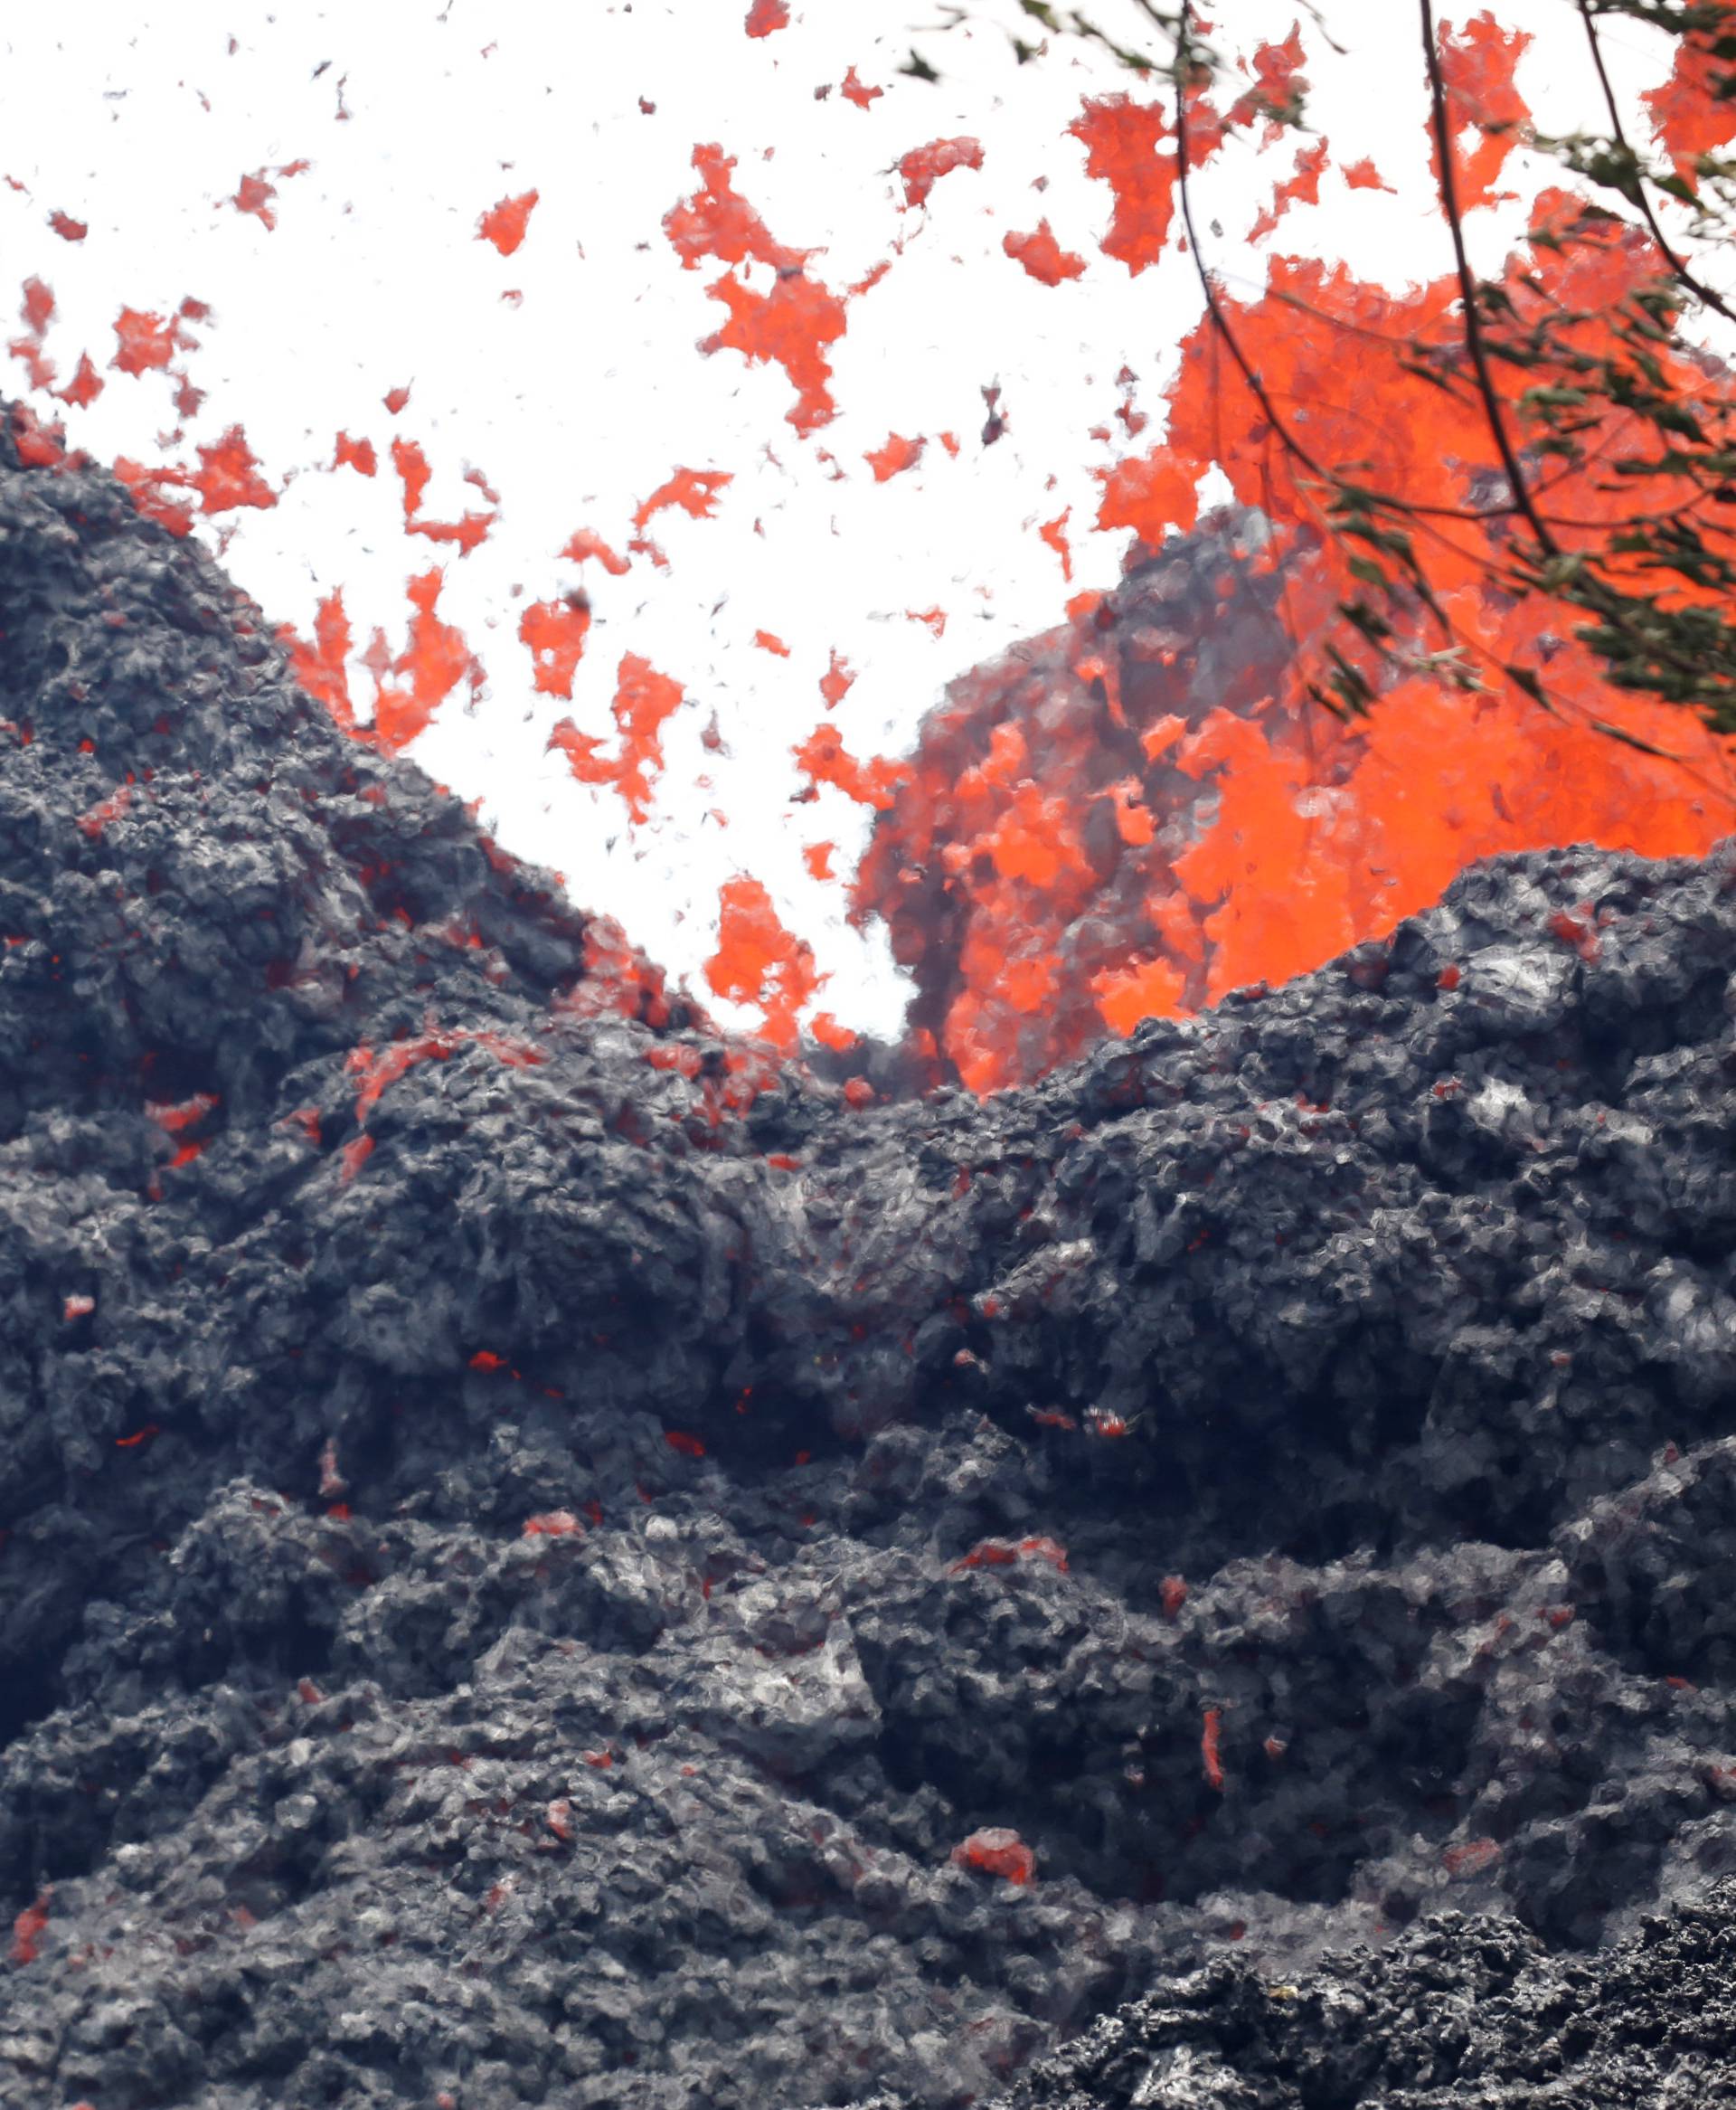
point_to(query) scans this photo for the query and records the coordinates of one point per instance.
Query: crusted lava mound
(542, 1563)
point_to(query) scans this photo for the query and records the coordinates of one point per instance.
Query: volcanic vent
(545, 1561)
(1143, 808)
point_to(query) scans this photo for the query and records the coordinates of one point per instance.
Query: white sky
(579, 399)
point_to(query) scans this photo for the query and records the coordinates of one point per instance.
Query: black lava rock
(547, 1561)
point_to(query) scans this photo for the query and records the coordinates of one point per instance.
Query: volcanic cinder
(549, 1561)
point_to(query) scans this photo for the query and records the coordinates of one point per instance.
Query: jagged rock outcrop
(546, 1560)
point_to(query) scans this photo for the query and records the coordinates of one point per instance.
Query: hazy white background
(582, 398)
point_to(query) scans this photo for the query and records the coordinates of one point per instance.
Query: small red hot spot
(552, 1524)
(996, 1851)
(27, 1929)
(1211, 1760)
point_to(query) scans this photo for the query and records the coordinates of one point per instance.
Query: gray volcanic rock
(1461, 2012)
(546, 1562)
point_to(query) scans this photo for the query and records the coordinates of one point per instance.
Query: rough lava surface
(545, 1561)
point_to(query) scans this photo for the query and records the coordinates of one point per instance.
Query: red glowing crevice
(1000, 1553)
(619, 981)
(172, 1118)
(376, 1069)
(28, 1929)
(555, 1524)
(93, 821)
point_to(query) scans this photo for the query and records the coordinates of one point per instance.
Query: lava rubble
(544, 1561)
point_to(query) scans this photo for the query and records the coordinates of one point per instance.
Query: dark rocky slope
(1460, 2012)
(532, 1550)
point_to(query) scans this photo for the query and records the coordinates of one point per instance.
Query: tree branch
(1474, 342)
(1683, 274)
(1214, 308)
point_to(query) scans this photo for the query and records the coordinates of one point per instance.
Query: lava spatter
(410, 687)
(554, 632)
(1137, 813)
(794, 324)
(1125, 147)
(759, 963)
(1041, 256)
(506, 223)
(645, 700)
(923, 167)
(257, 194)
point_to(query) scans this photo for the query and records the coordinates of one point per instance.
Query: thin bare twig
(1214, 307)
(1467, 288)
(1684, 275)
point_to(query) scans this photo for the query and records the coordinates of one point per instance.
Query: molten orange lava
(1043, 257)
(504, 224)
(1135, 815)
(792, 325)
(644, 701)
(759, 962)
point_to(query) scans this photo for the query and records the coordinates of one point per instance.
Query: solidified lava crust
(544, 1563)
